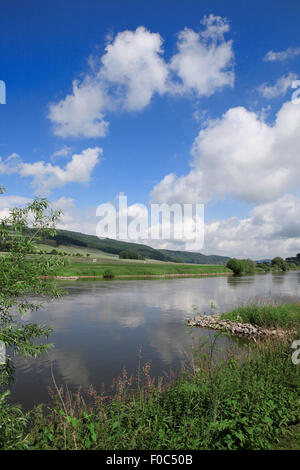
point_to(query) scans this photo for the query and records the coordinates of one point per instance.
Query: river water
(102, 326)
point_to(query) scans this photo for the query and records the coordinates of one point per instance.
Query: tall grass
(270, 314)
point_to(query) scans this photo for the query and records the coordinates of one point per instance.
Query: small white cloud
(10, 164)
(289, 53)
(47, 176)
(279, 88)
(80, 113)
(63, 152)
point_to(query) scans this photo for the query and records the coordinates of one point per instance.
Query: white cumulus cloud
(47, 176)
(133, 62)
(133, 69)
(81, 112)
(242, 156)
(204, 59)
(271, 229)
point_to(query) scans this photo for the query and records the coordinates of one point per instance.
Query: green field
(79, 242)
(93, 262)
(135, 268)
(72, 250)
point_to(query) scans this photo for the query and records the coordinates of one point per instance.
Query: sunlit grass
(267, 315)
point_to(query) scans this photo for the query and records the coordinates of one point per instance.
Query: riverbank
(134, 276)
(82, 270)
(249, 399)
(235, 328)
(254, 320)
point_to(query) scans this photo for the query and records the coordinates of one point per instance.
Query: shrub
(108, 274)
(130, 255)
(241, 266)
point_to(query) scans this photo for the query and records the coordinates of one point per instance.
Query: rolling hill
(114, 247)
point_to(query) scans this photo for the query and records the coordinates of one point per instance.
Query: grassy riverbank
(137, 269)
(248, 400)
(267, 316)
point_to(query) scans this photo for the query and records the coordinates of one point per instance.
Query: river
(102, 326)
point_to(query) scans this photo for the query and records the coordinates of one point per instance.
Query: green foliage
(265, 267)
(295, 260)
(195, 258)
(247, 266)
(13, 423)
(108, 274)
(279, 263)
(235, 265)
(130, 255)
(241, 266)
(290, 438)
(21, 277)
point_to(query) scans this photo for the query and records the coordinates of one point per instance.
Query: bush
(280, 263)
(108, 274)
(130, 255)
(241, 266)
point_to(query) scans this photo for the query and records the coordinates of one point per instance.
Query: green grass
(136, 269)
(72, 250)
(267, 315)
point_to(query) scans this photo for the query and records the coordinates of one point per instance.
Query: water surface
(100, 326)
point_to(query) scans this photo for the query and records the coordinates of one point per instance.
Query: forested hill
(107, 245)
(198, 258)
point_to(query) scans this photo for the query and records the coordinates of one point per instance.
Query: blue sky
(214, 110)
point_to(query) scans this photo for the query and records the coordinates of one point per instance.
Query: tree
(21, 275)
(130, 255)
(280, 263)
(235, 265)
(240, 266)
(248, 266)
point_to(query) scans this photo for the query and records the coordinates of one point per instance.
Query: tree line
(247, 266)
